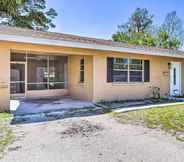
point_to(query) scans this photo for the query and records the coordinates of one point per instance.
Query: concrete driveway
(97, 138)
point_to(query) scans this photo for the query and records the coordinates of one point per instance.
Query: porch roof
(21, 35)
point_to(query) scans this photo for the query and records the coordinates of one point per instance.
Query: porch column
(4, 79)
(99, 77)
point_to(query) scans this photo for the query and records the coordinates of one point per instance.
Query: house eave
(72, 44)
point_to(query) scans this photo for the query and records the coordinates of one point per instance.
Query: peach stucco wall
(76, 89)
(4, 78)
(159, 77)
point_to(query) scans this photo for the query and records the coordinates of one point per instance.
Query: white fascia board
(41, 41)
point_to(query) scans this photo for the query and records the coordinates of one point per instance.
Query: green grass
(6, 134)
(5, 116)
(169, 119)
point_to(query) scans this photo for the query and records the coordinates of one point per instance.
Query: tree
(140, 21)
(171, 32)
(32, 14)
(165, 41)
(173, 26)
(137, 29)
(140, 30)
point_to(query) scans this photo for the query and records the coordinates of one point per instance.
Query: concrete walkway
(126, 109)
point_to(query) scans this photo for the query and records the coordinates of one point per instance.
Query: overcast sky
(99, 18)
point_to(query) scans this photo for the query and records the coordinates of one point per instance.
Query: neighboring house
(42, 64)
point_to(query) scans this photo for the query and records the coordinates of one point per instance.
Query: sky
(99, 18)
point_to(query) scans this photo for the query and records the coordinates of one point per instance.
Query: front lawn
(6, 134)
(169, 119)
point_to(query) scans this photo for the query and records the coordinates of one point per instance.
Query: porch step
(57, 114)
(37, 117)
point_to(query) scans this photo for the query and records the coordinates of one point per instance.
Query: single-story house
(46, 64)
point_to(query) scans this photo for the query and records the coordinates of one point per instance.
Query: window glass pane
(82, 62)
(135, 64)
(17, 72)
(18, 57)
(174, 71)
(120, 61)
(82, 67)
(135, 61)
(82, 70)
(81, 76)
(37, 69)
(135, 67)
(120, 76)
(120, 64)
(56, 86)
(120, 67)
(40, 86)
(135, 76)
(17, 88)
(57, 68)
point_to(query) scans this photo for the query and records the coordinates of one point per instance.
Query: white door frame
(178, 77)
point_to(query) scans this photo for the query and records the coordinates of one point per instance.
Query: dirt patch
(16, 148)
(83, 128)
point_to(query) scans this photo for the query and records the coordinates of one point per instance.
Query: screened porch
(34, 75)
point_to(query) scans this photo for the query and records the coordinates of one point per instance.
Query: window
(18, 57)
(135, 70)
(17, 84)
(127, 70)
(120, 70)
(46, 72)
(37, 72)
(174, 71)
(57, 72)
(82, 70)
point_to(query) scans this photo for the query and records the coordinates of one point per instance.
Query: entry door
(175, 79)
(17, 83)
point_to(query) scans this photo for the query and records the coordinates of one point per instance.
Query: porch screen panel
(37, 72)
(57, 72)
(46, 72)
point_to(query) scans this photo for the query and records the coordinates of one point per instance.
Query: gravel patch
(83, 128)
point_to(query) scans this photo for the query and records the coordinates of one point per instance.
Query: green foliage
(6, 137)
(166, 41)
(156, 92)
(6, 134)
(32, 14)
(139, 30)
(5, 116)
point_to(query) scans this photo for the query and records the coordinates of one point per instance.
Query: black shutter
(110, 69)
(146, 70)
